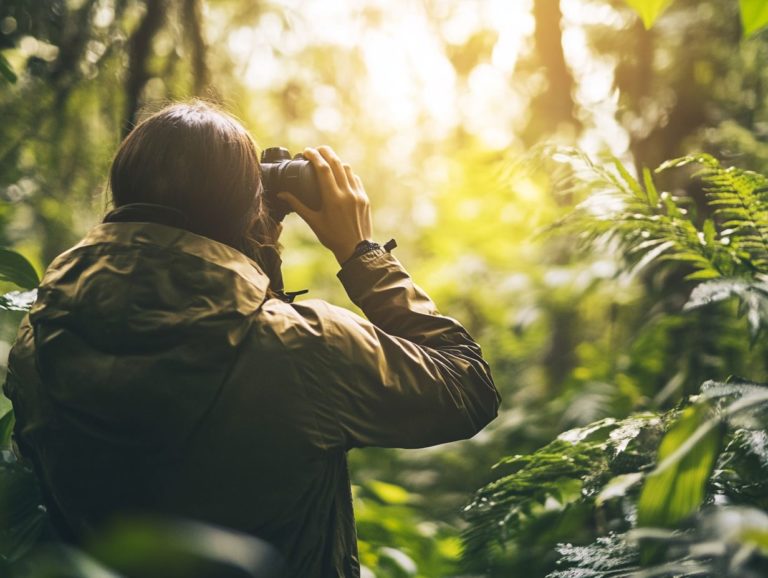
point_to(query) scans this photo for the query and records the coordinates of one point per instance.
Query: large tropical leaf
(686, 458)
(16, 269)
(649, 10)
(754, 16)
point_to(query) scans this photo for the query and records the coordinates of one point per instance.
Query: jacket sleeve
(407, 377)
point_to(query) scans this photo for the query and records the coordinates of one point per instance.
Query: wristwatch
(367, 246)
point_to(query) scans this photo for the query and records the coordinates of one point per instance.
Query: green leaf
(6, 429)
(698, 158)
(6, 71)
(57, 560)
(388, 493)
(22, 517)
(703, 274)
(618, 487)
(16, 269)
(650, 187)
(649, 10)
(675, 489)
(709, 231)
(653, 254)
(154, 546)
(611, 555)
(630, 181)
(754, 16)
(546, 488)
(742, 472)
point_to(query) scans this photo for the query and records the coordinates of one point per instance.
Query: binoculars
(280, 172)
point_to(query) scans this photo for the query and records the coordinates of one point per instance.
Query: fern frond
(752, 295)
(728, 253)
(555, 477)
(740, 205)
(648, 225)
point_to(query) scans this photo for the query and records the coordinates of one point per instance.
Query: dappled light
(578, 186)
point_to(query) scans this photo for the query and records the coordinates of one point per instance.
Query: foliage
(21, 510)
(387, 514)
(16, 269)
(21, 507)
(155, 548)
(18, 300)
(24, 517)
(7, 73)
(649, 11)
(720, 431)
(596, 471)
(728, 251)
(727, 542)
(676, 487)
(754, 13)
(754, 16)
(557, 488)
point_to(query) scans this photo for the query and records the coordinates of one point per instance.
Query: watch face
(366, 246)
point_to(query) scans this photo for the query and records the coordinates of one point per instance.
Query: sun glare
(408, 76)
(409, 82)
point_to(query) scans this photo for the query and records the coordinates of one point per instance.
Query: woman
(159, 372)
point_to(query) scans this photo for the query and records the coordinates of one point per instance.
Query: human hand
(344, 217)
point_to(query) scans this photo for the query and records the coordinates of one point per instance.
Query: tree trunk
(193, 28)
(555, 106)
(139, 49)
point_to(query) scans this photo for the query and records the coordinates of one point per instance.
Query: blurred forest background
(456, 114)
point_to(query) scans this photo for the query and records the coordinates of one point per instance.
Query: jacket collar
(177, 239)
(148, 213)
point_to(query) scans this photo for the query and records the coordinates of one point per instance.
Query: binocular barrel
(281, 173)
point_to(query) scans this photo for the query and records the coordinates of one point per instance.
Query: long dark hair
(201, 161)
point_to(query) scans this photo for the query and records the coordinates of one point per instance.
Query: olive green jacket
(154, 374)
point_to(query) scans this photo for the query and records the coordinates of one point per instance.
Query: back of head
(199, 160)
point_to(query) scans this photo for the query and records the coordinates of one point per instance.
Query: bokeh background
(449, 110)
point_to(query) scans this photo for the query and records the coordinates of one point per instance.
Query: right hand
(344, 217)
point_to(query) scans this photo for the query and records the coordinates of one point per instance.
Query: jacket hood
(142, 313)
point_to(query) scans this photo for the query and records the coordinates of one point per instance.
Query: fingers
(329, 167)
(335, 176)
(350, 175)
(336, 165)
(344, 217)
(323, 170)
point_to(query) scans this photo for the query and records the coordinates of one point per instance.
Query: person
(162, 370)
